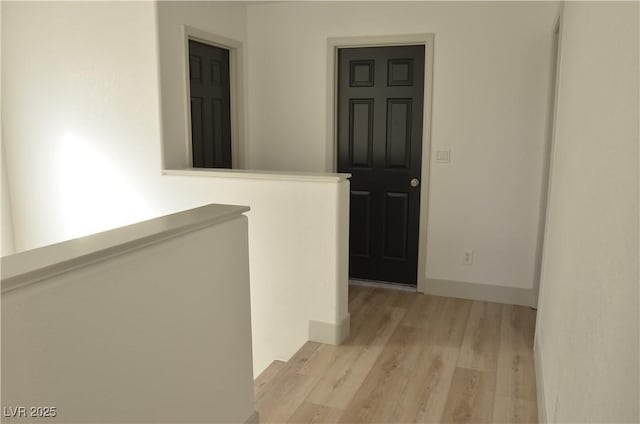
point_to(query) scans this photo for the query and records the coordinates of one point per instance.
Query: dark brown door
(210, 106)
(380, 104)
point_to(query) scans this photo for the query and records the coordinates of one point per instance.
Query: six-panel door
(380, 108)
(210, 106)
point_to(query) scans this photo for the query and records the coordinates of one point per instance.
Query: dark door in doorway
(210, 106)
(380, 105)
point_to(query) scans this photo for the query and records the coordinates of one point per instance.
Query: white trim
(328, 332)
(540, 393)
(537, 349)
(161, 129)
(552, 158)
(545, 191)
(382, 285)
(482, 292)
(258, 175)
(333, 44)
(236, 84)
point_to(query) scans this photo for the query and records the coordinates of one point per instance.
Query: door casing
(427, 40)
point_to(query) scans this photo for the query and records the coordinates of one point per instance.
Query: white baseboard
(482, 292)
(253, 419)
(330, 333)
(540, 393)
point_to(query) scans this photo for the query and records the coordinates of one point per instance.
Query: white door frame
(427, 40)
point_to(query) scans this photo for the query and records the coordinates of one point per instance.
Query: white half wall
(91, 161)
(143, 334)
(588, 323)
(296, 252)
(491, 88)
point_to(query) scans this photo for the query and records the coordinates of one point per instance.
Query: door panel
(361, 132)
(380, 107)
(396, 225)
(360, 223)
(400, 72)
(398, 133)
(210, 106)
(197, 129)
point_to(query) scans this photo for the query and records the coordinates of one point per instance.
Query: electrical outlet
(468, 257)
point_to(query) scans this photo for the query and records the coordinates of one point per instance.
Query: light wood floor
(410, 358)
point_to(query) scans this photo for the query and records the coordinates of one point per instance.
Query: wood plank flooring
(410, 358)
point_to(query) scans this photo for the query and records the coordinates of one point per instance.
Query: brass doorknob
(415, 182)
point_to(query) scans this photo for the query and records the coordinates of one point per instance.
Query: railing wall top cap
(320, 177)
(30, 266)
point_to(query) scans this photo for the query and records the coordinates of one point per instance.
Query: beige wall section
(587, 331)
(149, 336)
(492, 74)
(223, 19)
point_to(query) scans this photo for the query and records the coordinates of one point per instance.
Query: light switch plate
(443, 155)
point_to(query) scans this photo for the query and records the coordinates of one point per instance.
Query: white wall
(149, 336)
(587, 333)
(80, 117)
(226, 19)
(89, 157)
(492, 79)
(491, 88)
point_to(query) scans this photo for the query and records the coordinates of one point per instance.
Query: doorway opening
(381, 128)
(213, 105)
(210, 105)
